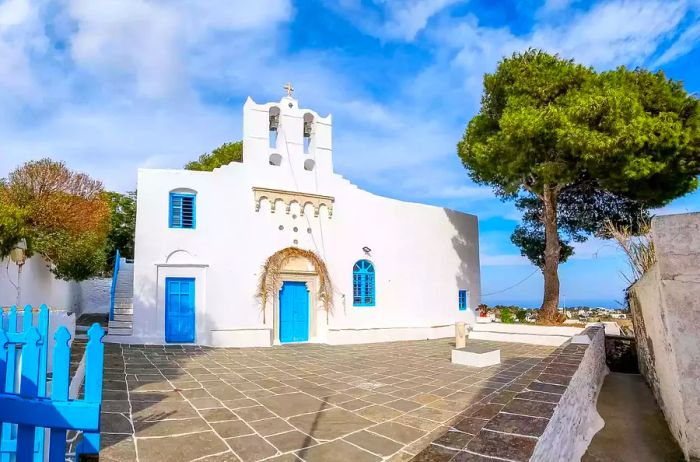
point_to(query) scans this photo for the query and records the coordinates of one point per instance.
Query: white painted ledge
(388, 334)
(524, 333)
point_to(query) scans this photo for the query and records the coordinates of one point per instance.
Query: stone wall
(575, 420)
(665, 306)
(38, 285)
(95, 295)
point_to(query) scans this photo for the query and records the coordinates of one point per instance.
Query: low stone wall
(548, 414)
(575, 419)
(665, 306)
(523, 333)
(38, 286)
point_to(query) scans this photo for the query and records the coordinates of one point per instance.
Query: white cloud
(111, 142)
(609, 34)
(152, 42)
(398, 20)
(554, 6)
(615, 32)
(129, 39)
(20, 36)
(687, 41)
(408, 17)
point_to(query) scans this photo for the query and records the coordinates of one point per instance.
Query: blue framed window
(363, 283)
(183, 210)
(462, 300)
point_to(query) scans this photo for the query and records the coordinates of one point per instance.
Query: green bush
(521, 315)
(507, 316)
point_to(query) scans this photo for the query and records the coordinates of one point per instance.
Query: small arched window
(363, 284)
(183, 208)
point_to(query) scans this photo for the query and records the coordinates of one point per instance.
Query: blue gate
(26, 410)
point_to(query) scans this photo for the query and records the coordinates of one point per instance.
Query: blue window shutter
(462, 300)
(183, 211)
(363, 287)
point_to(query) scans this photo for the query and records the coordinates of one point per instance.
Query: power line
(513, 286)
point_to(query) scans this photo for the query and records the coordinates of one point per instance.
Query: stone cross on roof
(289, 88)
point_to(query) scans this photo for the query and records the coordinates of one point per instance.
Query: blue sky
(113, 85)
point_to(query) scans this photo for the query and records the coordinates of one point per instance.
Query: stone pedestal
(460, 334)
(476, 356)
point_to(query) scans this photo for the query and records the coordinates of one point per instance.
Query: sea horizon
(567, 303)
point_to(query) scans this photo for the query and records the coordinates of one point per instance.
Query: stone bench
(476, 355)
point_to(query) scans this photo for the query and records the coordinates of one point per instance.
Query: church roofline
(250, 102)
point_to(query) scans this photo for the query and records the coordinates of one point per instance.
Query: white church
(281, 249)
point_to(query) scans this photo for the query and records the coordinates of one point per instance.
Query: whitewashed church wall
(422, 254)
(38, 285)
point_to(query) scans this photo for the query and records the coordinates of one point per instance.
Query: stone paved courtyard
(358, 403)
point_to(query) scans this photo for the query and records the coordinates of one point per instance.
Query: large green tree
(224, 154)
(122, 228)
(61, 214)
(582, 210)
(558, 136)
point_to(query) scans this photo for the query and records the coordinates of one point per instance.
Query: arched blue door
(294, 312)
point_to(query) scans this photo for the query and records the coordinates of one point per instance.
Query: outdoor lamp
(18, 254)
(366, 249)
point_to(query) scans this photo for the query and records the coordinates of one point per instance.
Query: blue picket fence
(26, 409)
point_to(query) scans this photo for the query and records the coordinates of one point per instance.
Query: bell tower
(282, 135)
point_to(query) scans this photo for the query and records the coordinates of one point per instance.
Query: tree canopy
(224, 154)
(122, 228)
(62, 215)
(575, 148)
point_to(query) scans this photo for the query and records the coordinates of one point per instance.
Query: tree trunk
(550, 303)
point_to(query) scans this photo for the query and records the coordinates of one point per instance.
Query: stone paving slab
(507, 423)
(307, 403)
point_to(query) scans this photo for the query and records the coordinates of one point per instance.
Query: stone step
(80, 337)
(123, 317)
(119, 331)
(120, 324)
(123, 311)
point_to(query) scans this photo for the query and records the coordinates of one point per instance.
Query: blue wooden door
(179, 310)
(294, 312)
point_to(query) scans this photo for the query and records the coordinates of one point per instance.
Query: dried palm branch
(639, 248)
(269, 279)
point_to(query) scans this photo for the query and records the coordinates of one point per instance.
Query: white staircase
(123, 300)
